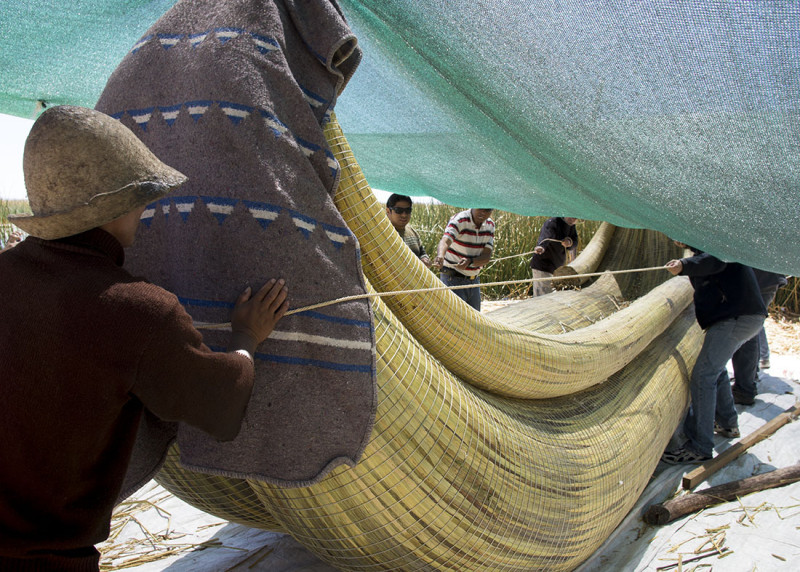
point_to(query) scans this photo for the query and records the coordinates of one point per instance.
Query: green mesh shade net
(63, 52)
(679, 116)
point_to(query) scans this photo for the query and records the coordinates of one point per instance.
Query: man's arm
(441, 249)
(423, 256)
(484, 257)
(180, 379)
(573, 239)
(547, 234)
(702, 264)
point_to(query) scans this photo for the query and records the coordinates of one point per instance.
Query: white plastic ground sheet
(758, 532)
(761, 531)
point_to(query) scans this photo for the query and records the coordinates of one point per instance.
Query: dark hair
(394, 198)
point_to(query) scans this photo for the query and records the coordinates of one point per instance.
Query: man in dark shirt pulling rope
(86, 347)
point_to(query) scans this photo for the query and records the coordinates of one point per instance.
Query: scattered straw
(749, 513)
(707, 554)
(150, 546)
(783, 334)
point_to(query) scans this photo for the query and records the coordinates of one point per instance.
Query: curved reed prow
(587, 261)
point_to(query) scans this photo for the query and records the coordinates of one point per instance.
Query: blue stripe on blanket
(315, 363)
(205, 303)
(335, 319)
(313, 99)
(169, 40)
(359, 368)
(264, 44)
(264, 213)
(170, 113)
(197, 108)
(141, 43)
(225, 34)
(236, 112)
(141, 116)
(196, 39)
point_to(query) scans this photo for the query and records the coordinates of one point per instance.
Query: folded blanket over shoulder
(234, 94)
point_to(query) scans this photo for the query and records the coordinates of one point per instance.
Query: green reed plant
(517, 234)
(787, 300)
(9, 207)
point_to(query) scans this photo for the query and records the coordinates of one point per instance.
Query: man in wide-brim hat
(86, 347)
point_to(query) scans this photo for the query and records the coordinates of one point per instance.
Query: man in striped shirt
(464, 249)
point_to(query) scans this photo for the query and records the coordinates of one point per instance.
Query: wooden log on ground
(692, 502)
(701, 473)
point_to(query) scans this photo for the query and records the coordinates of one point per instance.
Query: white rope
(493, 260)
(201, 326)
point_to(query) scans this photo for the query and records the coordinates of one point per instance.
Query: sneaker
(764, 363)
(683, 455)
(742, 399)
(732, 433)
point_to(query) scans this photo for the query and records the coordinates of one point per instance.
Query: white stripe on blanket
(303, 338)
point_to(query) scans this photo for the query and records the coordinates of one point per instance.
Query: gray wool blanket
(234, 94)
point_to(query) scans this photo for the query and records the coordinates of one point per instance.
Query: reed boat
(516, 440)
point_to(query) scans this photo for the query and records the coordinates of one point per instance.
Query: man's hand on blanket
(255, 315)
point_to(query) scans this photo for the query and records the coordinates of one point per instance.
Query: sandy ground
(156, 531)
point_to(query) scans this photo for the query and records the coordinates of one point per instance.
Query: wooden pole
(701, 473)
(692, 502)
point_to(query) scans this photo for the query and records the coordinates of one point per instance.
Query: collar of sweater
(95, 239)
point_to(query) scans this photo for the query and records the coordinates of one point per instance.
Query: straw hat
(84, 169)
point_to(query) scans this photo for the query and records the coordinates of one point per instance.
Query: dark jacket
(555, 255)
(722, 290)
(768, 279)
(84, 348)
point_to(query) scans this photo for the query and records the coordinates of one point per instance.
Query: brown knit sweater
(84, 348)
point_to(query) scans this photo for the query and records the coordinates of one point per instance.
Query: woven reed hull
(536, 369)
(458, 478)
(227, 498)
(455, 478)
(234, 500)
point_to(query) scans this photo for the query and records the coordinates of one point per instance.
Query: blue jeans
(763, 345)
(710, 386)
(745, 359)
(471, 296)
(745, 368)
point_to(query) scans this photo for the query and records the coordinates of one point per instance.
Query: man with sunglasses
(398, 209)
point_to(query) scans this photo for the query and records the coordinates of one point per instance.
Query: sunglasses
(401, 210)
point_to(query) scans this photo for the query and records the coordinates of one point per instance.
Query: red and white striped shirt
(468, 240)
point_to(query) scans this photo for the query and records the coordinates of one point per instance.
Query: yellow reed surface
(586, 262)
(455, 478)
(227, 498)
(534, 365)
(459, 478)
